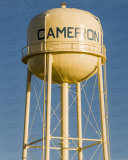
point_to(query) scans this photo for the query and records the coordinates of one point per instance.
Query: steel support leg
(64, 121)
(48, 107)
(26, 118)
(102, 110)
(79, 121)
(43, 134)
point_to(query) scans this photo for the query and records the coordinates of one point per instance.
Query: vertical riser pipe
(64, 121)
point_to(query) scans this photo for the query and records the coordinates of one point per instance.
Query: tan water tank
(72, 36)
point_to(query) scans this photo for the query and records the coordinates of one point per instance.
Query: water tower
(65, 46)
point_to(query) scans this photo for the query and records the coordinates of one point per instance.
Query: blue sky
(14, 19)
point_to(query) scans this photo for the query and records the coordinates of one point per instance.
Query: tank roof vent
(63, 5)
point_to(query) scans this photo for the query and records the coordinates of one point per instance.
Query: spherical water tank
(72, 36)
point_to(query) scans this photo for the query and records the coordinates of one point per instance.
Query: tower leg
(79, 121)
(48, 107)
(43, 134)
(102, 110)
(64, 121)
(26, 118)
